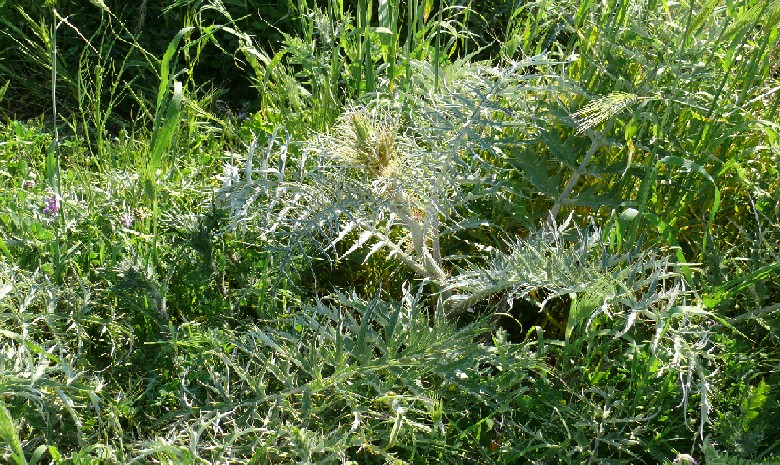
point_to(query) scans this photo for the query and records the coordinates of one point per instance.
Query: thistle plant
(510, 241)
(398, 176)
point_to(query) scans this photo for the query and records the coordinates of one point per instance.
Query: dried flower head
(140, 214)
(685, 459)
(370, 142)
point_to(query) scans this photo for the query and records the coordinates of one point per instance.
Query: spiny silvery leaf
(547, 260)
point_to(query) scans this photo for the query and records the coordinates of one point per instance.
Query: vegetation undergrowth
(403, 240)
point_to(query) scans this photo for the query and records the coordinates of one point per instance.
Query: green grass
(421, 247)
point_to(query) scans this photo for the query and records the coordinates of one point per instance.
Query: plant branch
(596, 142)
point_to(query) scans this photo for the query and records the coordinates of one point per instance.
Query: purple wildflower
(126, 220)
(52, 204)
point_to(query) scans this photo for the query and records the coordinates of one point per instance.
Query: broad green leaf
(396, 429)
(4, 249)
(754, 403)
(38, 453)
(365, 324)
(536, 173)
(166, 63)
(161, 139)
(10, 437)
(575, 315)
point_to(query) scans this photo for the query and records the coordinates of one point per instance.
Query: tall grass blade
(733, 288)
(166, 122)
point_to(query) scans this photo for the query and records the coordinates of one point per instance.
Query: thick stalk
(596, 142)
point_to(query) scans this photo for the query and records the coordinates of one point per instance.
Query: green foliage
(134, 32)
(407, 232)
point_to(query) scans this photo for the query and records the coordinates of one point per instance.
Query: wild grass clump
(410, 246)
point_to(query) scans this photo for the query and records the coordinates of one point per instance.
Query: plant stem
(58, 176)
(594, 145)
